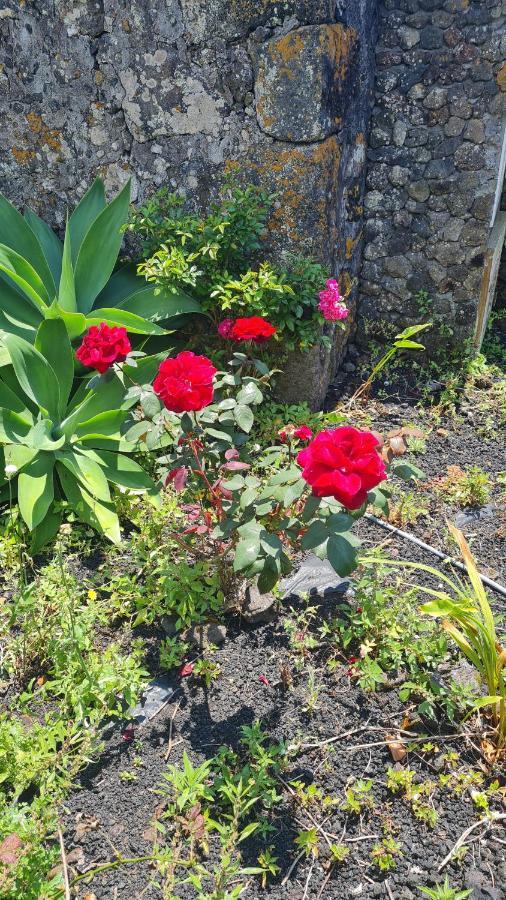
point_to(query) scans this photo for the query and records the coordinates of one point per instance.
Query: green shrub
(42, 278)
(58, 445)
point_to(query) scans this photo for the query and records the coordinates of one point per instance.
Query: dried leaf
(398, 446)
(90, 896)
(84, 824)
(397, 747)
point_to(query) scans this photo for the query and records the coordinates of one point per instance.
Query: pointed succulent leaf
(134, 323)
(99, 250)
(45, 532)
(22, 273)
(36, 489)
(16, 234)
(98, 515)
(53, 343)
(67, 287)
(36, 376)
(49, 241)
(122, 470)
(13, 427)
(85, 213)
(87, 471)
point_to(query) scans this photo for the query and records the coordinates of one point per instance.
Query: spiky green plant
(42, 278)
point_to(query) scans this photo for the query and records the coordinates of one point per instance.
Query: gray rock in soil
(314, 576)
(470, 516)
(257, 607)
(465, 674)
(205, 635)
(157, 695)
(169, 626)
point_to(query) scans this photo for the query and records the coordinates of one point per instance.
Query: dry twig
(488, 821)
(66, 882)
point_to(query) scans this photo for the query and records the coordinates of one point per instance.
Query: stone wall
(433, 162)
(172, 91)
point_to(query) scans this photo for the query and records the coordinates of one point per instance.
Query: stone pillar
(433, 162)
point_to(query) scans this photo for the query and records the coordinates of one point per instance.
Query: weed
(358, 796)
(469, 487)
(444, 891)
(384, 853)
(172, 653)
(417, 794)
(307, 842)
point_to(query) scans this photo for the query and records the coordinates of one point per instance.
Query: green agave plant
(42, 278)
(61, 445)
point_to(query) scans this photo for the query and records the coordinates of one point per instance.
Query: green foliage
(228, 796)
(191, 591)
(358, 796)
(172, 653)
(417, 794)
(215, 259)
(271, 417)
(444, 891)
(41, 278)
(401, 343)
(62, 446)
(469, 621)
(384, 853)
(469, 487)
(384, 631)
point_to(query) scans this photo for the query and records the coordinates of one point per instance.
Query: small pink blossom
(225, 327)
(331, 304)
(128, 733)
(264, 680)
(186, 670)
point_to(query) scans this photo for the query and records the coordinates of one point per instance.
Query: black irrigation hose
(447, 559)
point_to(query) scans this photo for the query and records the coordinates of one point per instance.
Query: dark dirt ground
(123, 810)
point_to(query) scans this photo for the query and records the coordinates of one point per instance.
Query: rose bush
(254, 510)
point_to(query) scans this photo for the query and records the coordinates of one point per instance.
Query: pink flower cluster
(331, 304)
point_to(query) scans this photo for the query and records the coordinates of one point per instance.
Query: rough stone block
(302, 82)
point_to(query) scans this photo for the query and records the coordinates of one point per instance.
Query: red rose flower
(102, 346)
(303, 433)
(343, 463)
(252, 328)
(185, 382)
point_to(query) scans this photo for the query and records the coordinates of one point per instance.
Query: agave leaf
(22, 273)
(87, 471)
(86, 403)
(13, 428)
(100, 516)
(18, 455)
(53, 343)
(106, 424)
(46, 531)
(17, 235)
(36, 377)
(49, 241)
(99, 250)
(67, 287)
(85, 213)
(36, 489)
(122, 470)
(133, 323)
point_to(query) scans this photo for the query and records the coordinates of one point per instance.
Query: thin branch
(64, 865)
(488, 821)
